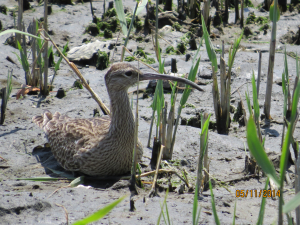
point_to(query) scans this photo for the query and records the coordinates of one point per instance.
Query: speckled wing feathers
(69, 138)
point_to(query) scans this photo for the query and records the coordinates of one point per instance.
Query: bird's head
(122, 75)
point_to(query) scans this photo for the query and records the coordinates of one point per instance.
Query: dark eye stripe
(128, 73)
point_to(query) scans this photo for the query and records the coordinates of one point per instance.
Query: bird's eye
(128, 73)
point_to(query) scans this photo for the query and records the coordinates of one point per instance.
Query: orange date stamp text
(256, 193)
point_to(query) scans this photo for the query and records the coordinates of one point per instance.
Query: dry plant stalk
(20, 16)
(153, 191)
(267, 105)
(45, 90)
(206, 12)
(259, 73)
(170, 121)
(66, 212)
(77, 72)
(242, 14)
(3, 105)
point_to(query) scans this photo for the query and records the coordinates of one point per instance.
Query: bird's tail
(43, 120)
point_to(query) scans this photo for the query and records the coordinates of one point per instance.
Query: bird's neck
(121, 115)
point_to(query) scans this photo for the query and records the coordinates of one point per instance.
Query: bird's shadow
(52, 168)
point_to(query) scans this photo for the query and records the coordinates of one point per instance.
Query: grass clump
(143, 57)
(77, 84)
(139, 39)
(110, 23)
(92, 29)
(110, 13)
(252, 19)
(129, 59)
(264, 27)
(170, 50)
(140, 53)
(108, 33)
(3, 9)
(138, 25)
(181, 48)
(248, 3)
(186, 37)
(149, 60)
(176, 26)
(102, 61)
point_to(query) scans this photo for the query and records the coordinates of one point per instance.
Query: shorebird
(100, 146)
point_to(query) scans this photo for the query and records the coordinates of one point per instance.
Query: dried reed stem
(153, 189)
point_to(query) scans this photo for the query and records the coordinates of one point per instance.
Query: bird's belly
(107, 163)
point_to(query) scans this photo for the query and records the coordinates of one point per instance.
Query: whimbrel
(100, 146)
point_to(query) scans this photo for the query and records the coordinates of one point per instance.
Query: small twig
(3, 159)
(66, 212)
(116, 45)
(58, 190)
(239, 87)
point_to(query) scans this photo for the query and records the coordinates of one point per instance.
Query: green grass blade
(198, 216)
(100, 213)
(285, 94)
(287, 140)
(262, 206)
(234, 213)
(160, 88)
(204, 131)
(49, 51)
(24, 60)
(274, 14)
(197, 52)
(8, 85)
(234, 50)
(173, 93)
(195, 205)
(248, 103)
(121, 16)
(141, 6)
(19, 32)
(191, 77)
(162, 207)
(167, 213)
(258, 152)
(213, 205)
(297, 66)
(19, 59)
(77, 181)
(255, 100)
(286, 69)
(209, 46)
(57, 64)
(292, 204)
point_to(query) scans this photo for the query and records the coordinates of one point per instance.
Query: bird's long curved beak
(153, 76)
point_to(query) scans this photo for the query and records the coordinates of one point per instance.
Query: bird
(100, 146)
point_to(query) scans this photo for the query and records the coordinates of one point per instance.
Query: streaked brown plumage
(99, 146)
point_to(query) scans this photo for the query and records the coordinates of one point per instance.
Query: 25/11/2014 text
(257, 193)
